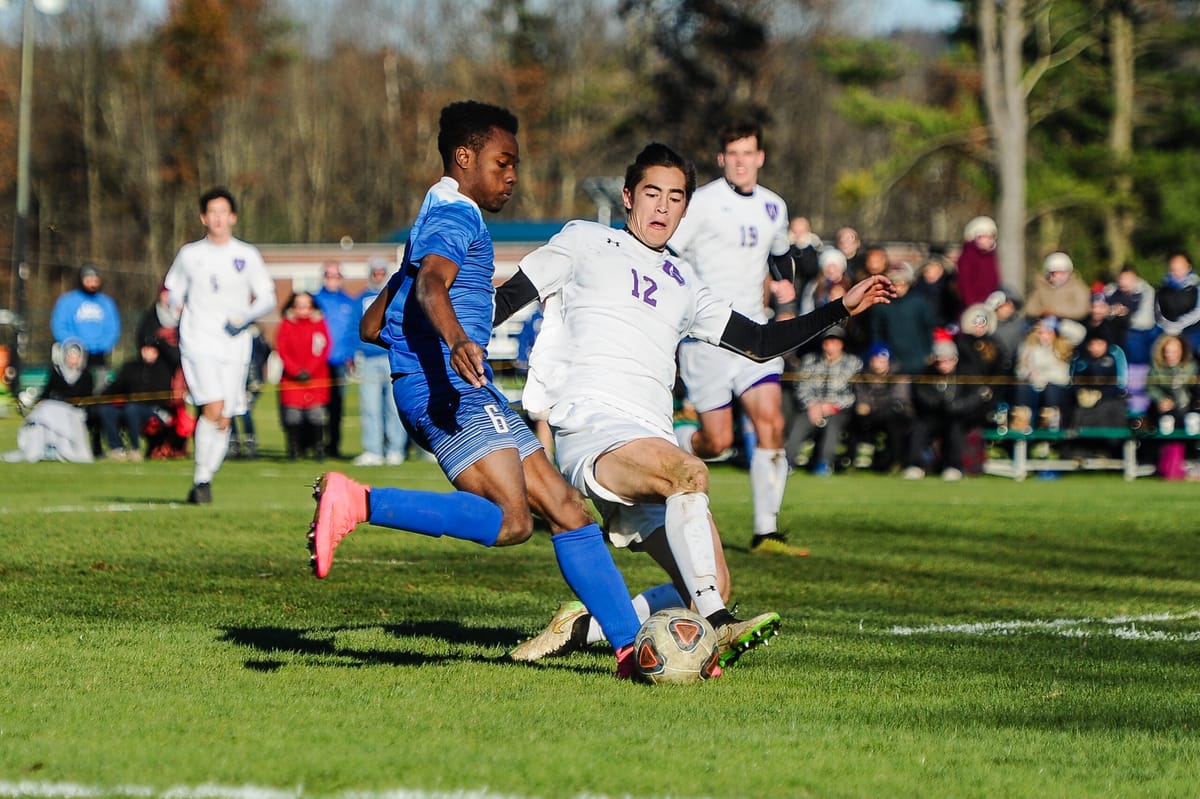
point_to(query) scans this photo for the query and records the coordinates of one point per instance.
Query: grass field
(987, 638)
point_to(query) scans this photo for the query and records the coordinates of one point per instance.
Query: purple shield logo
(239, 264)
(773, 211)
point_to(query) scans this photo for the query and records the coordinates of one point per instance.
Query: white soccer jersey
(216, 284)
(625, 307)
(728, 237)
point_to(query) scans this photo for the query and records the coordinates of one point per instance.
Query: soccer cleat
(566, 633)
(776, 544)
(739, 637)
(627, 668)
(201, 494)
(341, 504)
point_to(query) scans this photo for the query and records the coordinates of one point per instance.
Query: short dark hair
(217, 193)
(657, 154)
(469, 123)
(741, 129)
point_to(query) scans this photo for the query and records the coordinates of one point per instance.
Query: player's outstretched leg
(342, 504)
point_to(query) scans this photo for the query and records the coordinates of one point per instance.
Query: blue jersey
(449, 224)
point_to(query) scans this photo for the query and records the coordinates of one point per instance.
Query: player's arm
(370, 327)
(433, 282)
(513, 295)
(761, 342)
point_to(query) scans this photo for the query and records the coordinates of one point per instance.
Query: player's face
(490, 175)
(656, 205)
(218, 219)
(741, 160)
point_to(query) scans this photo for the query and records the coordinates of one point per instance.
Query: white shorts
(581, 436)
(210, 380)
(715, 377)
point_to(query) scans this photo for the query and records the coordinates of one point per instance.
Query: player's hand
(466, 358)
(784, 291)
(235, 325)
(865, 293)
(303, 377)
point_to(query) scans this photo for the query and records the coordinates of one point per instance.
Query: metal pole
(24, 134)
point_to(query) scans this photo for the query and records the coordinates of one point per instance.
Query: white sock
(689, 534)
(768, 479)
(205, 440)
(211, 444)
(650, 601)
(220, 448)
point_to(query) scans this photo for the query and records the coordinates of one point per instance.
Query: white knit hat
(980, 226)
(831, 255)
(1058, 262)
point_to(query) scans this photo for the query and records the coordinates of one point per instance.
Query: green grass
(144, 642)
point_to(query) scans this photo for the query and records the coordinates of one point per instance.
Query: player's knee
(516, 528)
(689, 474)
(712, 443)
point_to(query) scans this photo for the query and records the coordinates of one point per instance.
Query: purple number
(646, 296)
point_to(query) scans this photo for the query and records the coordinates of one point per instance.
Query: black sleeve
(781, 266)
(513, 295)
(763, 342)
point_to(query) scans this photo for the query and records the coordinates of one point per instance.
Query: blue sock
(458, 514)
(589, 570)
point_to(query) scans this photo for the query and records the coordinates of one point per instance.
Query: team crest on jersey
(239, 264)
(772, 210)
(671, 270)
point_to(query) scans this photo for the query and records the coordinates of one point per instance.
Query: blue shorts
(460, 427)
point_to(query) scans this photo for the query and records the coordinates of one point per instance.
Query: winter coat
(303, 346)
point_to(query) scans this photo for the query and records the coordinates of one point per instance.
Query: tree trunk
(1119, 216)
(1004, 95)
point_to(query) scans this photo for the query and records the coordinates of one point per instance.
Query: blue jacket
(92, 318)
(341, 312)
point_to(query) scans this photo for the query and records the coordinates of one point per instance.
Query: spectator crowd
(906, 388)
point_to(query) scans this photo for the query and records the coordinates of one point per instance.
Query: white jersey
(728, 236)
(625, 308)
(219, 285)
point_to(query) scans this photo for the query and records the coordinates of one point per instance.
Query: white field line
(70, 790)
(1124, 627)
(126, 507)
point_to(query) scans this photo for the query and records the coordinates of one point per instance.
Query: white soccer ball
(676, 646)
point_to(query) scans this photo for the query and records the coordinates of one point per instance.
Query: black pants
(951, 430)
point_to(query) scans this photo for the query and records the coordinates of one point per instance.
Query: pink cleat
(341, 504)
(627, 665)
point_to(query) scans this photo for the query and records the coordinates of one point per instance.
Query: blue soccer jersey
(449, 224)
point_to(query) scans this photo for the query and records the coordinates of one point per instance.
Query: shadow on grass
(280, 646)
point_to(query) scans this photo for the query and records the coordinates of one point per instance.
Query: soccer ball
(676, 646)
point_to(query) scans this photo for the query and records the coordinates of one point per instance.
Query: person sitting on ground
(824, 400)
(945, 408)
(141, 388)
(882, 411)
